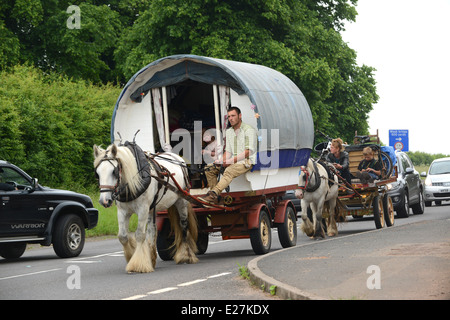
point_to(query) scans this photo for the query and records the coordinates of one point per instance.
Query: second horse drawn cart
(174, 100)
(361, 199)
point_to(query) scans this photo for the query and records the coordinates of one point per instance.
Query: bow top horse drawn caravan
(173, 100)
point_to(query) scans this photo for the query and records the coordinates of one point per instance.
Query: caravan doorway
(192, 112)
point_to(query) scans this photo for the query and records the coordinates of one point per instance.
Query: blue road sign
(399, 139)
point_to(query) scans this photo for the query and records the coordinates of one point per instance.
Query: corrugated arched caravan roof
(278, 100)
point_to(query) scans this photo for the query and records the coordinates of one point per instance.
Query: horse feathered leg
(306, 226)
(152, 233)
(129, 245)
(184, 223)
(317, 217)
(141, 259)
(126, 239)
(331, 225)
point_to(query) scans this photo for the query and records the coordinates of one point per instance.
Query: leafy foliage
(425, 159)
(48, 124)
(45, 40)
(298, 38)
(52, 114)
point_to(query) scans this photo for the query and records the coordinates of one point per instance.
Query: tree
(422, 158)
(298, 38)
(41, 29)
(116, 38)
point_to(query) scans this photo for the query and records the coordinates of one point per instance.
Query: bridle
(114, 189)
(307, 177)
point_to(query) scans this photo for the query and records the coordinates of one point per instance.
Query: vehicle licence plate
(443, 190)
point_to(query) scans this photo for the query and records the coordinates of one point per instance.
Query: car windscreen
(441, 167)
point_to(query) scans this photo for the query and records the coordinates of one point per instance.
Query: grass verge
(107, 219)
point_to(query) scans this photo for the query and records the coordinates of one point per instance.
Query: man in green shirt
(239, 156)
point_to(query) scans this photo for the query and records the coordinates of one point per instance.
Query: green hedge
(49, 123)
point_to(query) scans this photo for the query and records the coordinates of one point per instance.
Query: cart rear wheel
(388, 208)
(261, 237)
(287, 231)
(202, 242)
(203, 237)
(164, 242)
(378, 215)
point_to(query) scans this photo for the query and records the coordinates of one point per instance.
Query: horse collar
(143, 166)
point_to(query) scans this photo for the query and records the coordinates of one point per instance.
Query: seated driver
(239, 156)
(5, 186)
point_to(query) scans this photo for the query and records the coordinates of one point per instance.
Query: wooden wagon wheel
(378, 214)
(261, 237)
(164, 241)
(388, 209)
(287, 231)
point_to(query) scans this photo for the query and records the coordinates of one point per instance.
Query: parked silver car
(437, 182)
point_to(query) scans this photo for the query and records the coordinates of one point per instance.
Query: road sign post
(399, 139)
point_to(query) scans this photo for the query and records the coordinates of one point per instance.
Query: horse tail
(192, 222)
(185, 243)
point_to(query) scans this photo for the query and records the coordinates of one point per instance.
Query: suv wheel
(68, 236)
(419, 208)
(12, 250)
(403, 210)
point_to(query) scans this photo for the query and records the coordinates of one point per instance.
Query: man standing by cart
(239, 156)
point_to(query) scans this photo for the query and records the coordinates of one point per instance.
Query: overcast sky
(408, 42)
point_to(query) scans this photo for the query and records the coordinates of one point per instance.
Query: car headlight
(392, 186)
(428, 182)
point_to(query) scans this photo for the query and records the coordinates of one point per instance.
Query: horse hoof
(139, 268)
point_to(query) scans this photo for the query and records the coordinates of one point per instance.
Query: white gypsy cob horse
(315, 191)
(117, 171)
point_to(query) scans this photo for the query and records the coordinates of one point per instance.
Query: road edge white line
(184, 284)
(29, 274)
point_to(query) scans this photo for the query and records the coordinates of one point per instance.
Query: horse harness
(331, 174)
(145, 164)
(314, 187)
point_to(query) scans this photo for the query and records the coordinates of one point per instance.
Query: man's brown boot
(211, 197)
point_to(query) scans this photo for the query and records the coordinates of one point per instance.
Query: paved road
(99, 272)
(405, 262)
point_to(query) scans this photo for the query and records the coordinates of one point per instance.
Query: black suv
(31, 213)
(407, 192)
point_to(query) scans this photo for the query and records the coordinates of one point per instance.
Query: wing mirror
(34, 184)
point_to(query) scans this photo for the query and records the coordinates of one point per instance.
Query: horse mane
(130, 173)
